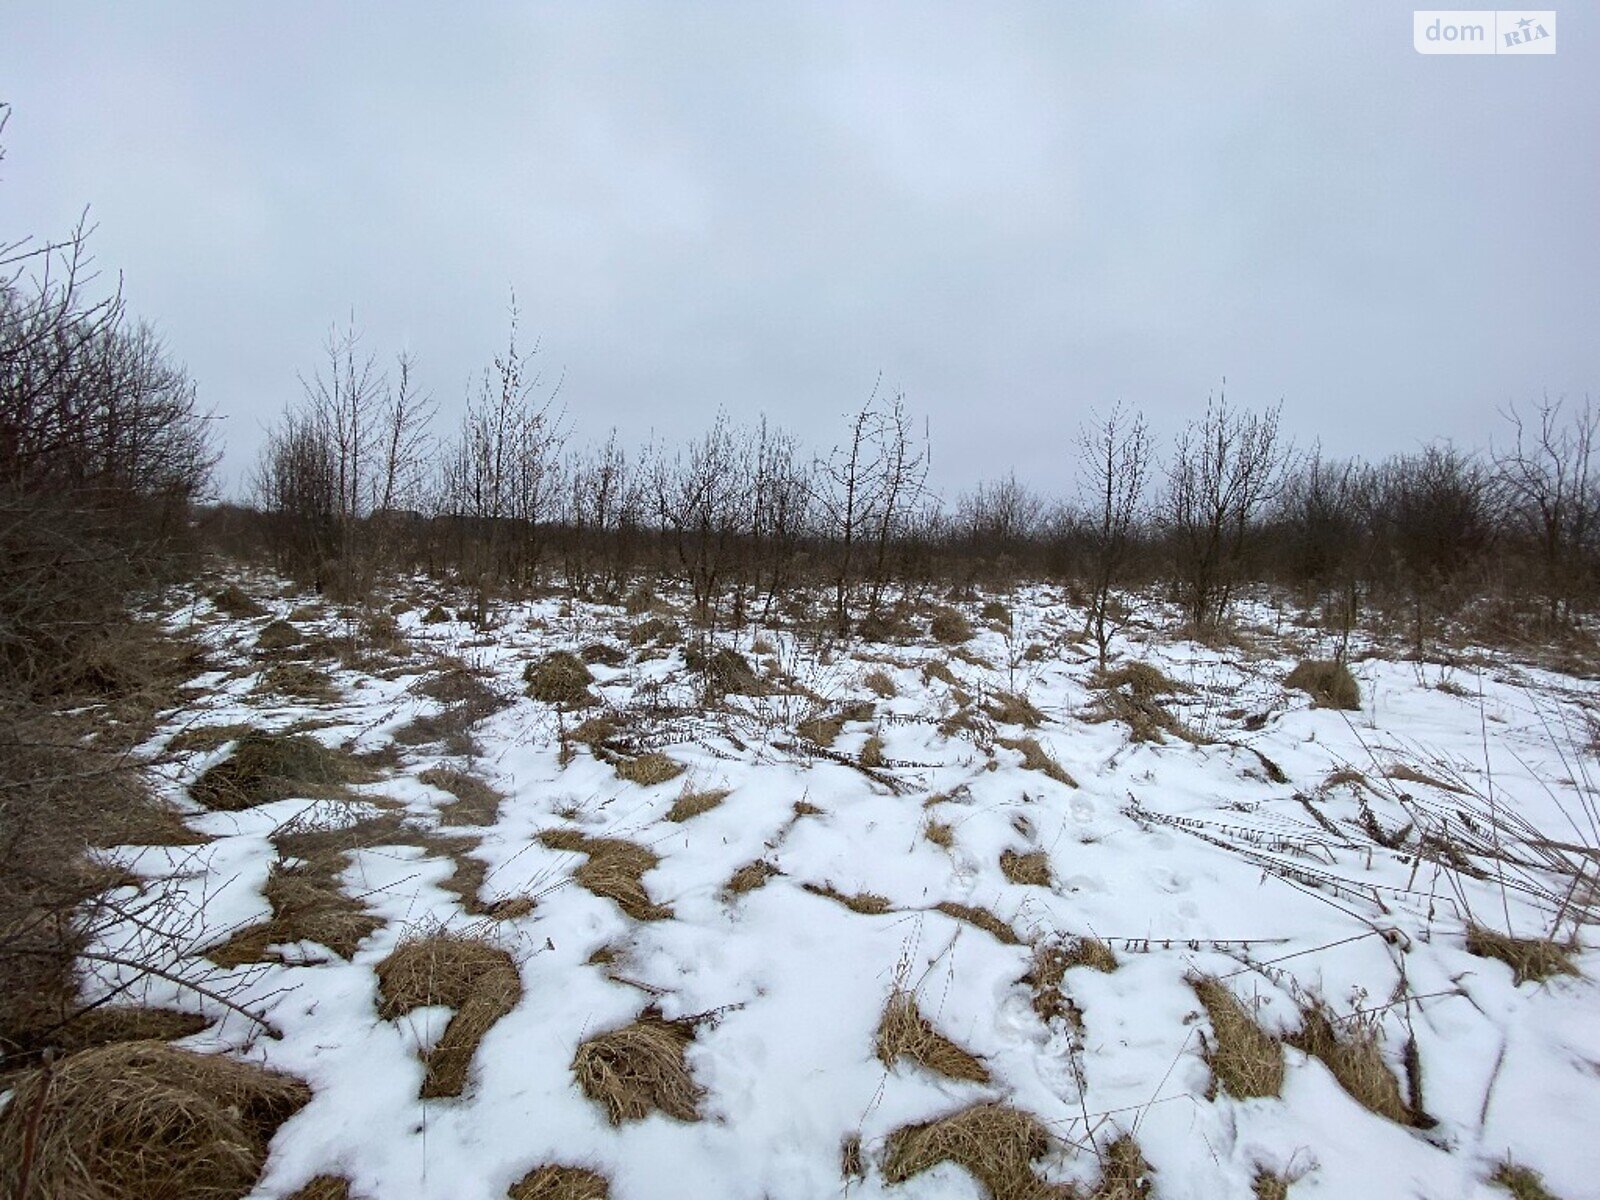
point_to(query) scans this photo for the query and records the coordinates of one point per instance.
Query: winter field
(921, 918)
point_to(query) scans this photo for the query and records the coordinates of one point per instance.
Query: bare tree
(1115, 455)
(1552, 487)
(1224, 468)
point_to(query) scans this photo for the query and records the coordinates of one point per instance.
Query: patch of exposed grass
(639, 1069)
(750, 877)
(109, 1024)
(879, 684)
(278, 635)
(202, 739)
(692, 804)
(939, 834)
(143, 1120)
(1051, 962)
(307, 906)
(1537, 959)
(726, 672)
(1036, 758)
(476, 979)
(983, 919)
(551, 1182)
(867, 903)
(950, 627)
(1125, 1175)
(1406, 773)
(235, 602)
(615, 870)
(265, 767)
(1353, 1053)
(995, 1143)
(851, 1163)
(871, 755)
(903, 1032)
(1031, 868)
(648, 769)
(300, 681)
(994, 610)
(1245, 1059)
(604, 655)
(1522, 1182)
(1012, 708)
(940, 670)
(1327, 682)
(437, 615)
(655, 631)
(323, 1187)
(560, 678)
(804, 808)
(1267, 1186)
(475, 802)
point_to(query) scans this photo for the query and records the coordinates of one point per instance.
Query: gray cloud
(1011, 211)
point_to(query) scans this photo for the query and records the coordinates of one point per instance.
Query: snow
(1187, 858)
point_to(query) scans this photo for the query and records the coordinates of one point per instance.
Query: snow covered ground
(1268, 849)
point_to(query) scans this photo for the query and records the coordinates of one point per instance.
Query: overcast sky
(1012, 212)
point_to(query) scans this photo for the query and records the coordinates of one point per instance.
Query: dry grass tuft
(593, 731)
(1131, 694)
(867, 903)
(648, 769)
(1032, 868)
(640, 1068)
(615, 870)
(655, 631)
(1409, 774)
(278, 635)
(821, 730)
(476, 979)
(879, 684)
(1522, 1182)
(560, 678)
(143, 1121)
(1051, 962)
(436, 615)
(750, 877)
(112, 1023)
(726, 672)
(1267, 1186)
(871, 755)
(996, 611)
(265, 767)
(300, 681)
(202, 739)
(1126, 1175)
(851, 1164)
(1329, 684)
(1354, 1055)
(1011, 708)
(561, 1183)
(950, 627)
(1139, 679)
(692, 804)
(904, 1032)
(939, 834)
(804, 808)
(997, 1144)
(307, 906)
(1036, 758)
(234, 601)
(323, 1187)
(1243, 1057)
(940, 670)
(604, 655)
(983, 919)
(1537, 959)
(475, 803)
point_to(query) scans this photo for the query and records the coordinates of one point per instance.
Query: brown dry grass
(725, 671)
(202, 739)
(1537, 959)
(940, 670)
(750, 877)
(1327, 682)
(1353, 1052)
(236, 602)
(144, 1121)
(278, 635)
(1267, 1186)
(655, 631)
(552, 1182)
(478, 980)
(1125, 1175)
(615, 870)
(879, 684)
(867, 903)
(300, 681)
(995, 1143)
(265, 767)
(939, 834)
(804, 808)
(475, 803)
(1036, 758)
(323, 1187)
(692, 804)
(1245, 1059)
(1522, 1182)
(112, 1023)
(1012, 708)
(648, 769)
(950, 627)
(1409, 774)
(639, 1069)
(307, 906)
(903, 1032)
(1032, 868)
(1051, 962)
(871, 755)
(851, 1164)
(983, 919)
(560, 678)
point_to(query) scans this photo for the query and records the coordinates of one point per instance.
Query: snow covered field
(874, 829)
